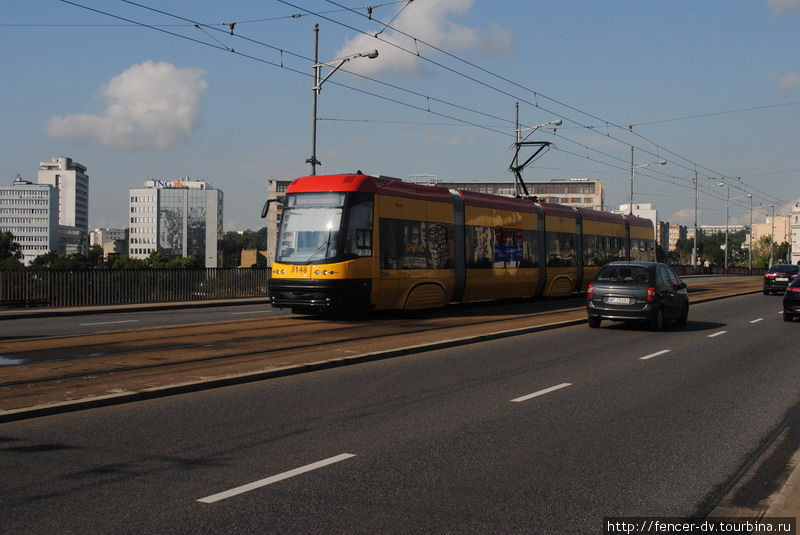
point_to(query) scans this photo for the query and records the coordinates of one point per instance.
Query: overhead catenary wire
(389, 99)
(418, 41)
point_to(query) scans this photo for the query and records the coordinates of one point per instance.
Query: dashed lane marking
(541, 392)
(274, 479)
(657, 353)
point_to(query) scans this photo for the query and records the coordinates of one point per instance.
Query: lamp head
(662, 162)
(557, 122)
(371, 54)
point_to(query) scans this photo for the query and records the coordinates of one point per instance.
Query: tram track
(139, 360)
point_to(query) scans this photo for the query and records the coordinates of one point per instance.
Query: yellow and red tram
(358, 242)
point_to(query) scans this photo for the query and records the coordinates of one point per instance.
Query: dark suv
(637, 291)
(778, 277)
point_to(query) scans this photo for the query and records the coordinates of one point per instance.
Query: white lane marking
(110, 322)
(274, 479)
(756, 320)
(541, 392)
(657, 353)
(8, 361)
(716, 334)
(254, 312)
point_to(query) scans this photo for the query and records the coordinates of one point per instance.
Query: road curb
(249, 377)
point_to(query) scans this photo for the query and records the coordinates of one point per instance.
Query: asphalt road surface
(542, 433)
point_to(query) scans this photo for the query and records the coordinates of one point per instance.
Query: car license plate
(618, 300)
(781, 279)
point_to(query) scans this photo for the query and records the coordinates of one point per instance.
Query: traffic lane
(315, 419)
(93, 323)
(115, 321)
(587, 330)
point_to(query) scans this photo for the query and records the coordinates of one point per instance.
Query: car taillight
(795, 290)
(651, 294)
(590, 292)
(769, 275)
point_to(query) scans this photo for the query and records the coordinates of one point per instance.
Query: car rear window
(623, 274)
(784, 268)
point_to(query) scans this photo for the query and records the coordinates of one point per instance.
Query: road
(92, 323)
(541, 433)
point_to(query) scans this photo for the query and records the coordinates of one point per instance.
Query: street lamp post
(750, 249)
(316, 89)
(727, 213)
(633, 176)
(772, 237)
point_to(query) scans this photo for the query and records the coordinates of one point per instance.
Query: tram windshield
(316, 228)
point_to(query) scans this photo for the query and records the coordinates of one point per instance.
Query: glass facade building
(179, 218)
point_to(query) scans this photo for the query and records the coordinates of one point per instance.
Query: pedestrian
(707, 267)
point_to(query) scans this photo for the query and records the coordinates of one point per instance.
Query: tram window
(441, 247)
(616, 249)
(403, 244)
(480, 246)
(530, 249)
(595, 250)
(358, 235)
(560, 249)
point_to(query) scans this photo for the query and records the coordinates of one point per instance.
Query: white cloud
(789, 81)
(150, 105)
(779, 7)
(429, 22)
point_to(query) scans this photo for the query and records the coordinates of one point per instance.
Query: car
(647, 292)
(791, 300)
(778, 277)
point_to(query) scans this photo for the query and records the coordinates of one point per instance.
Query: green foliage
(232, 243)
(8, 247)
(710, 246)
(51, 260)
(124, 261)
(11, 264)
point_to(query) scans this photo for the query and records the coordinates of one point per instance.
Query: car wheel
(656, 323)
(593, 321)
(787, 317)
(684, 319)
(766, 292)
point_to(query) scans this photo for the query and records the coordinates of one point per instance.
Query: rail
(95, 287)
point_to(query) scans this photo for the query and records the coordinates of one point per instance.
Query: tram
(358, 242)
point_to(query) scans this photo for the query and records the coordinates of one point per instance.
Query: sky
(712, 86)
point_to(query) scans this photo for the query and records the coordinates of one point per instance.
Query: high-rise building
(176, 217)
(30, 212)
(72, 182)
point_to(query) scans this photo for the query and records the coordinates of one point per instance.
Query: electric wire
(419, 108)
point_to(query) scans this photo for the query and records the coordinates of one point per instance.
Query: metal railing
(93, 287)
(715, 270)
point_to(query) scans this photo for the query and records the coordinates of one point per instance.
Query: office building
(720, 229)
(579, 192)
(112, 240)
(662, 236)
(795, 229)
(30, 212)
(69, 178)
(781, 230)
(644, 210)
(179, 218)
(677, 232)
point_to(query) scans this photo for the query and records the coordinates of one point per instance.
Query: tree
(8, 247)
(11, 264)
(95, 257)
(124, 261)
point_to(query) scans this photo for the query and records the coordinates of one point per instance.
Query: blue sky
(132, 103)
